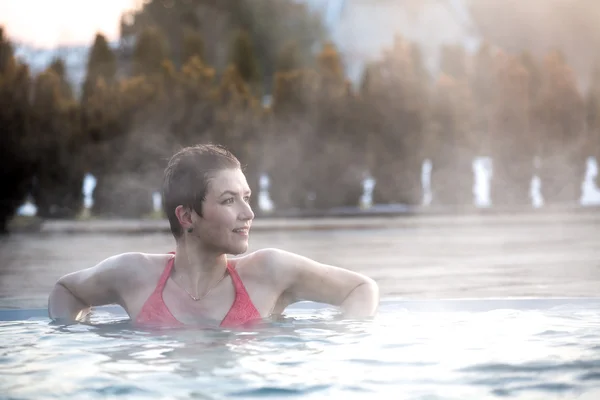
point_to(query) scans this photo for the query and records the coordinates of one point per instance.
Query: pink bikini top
(156, 313)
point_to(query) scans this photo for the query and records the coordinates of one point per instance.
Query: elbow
(63, 305)
(370, 288)
(373, 292)
(363, 300)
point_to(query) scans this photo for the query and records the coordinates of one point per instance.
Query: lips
(242, 230)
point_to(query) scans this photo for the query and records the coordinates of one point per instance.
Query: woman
(206, 199)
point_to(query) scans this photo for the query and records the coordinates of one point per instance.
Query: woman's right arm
(74, 294)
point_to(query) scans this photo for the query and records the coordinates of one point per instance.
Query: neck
(198, 268)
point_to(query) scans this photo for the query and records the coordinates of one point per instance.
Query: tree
(194, 113)
(119, 153)
(455, 146)
(58, 67)
(593, 117)
(483, 82)
(560, 115)
(336, 148)
(149, 53)
(242, 58)
(453, 62)
(290, 130)
(395, 110)
(270, 24)
(512, 144)
(16, 141)
(101, 64)
(6, 51)
(193, 46)
(537, 25)
(289, 58)
(59, 169)
(238, 126)
(533, 71)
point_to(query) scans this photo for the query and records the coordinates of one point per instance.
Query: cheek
(219, 219)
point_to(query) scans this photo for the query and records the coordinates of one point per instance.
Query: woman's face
(226, 213)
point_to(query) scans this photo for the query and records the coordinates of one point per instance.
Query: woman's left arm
(300, 278)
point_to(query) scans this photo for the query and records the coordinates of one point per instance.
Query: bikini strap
(166, 274)
(237, 281)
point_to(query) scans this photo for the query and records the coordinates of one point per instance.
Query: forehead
(228, 179)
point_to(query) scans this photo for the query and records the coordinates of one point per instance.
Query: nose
(246, 213)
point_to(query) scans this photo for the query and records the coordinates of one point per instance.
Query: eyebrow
(232, 193)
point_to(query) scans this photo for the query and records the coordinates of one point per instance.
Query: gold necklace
(209, 290)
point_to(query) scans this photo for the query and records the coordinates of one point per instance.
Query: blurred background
(331, 104)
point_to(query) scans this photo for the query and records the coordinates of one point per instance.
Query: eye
(247, 199)
(228, 201)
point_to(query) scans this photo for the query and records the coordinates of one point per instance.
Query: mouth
(242, 231)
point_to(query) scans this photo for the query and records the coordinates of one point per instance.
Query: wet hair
(186, 178)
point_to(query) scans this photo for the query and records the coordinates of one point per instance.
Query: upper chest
(222, 299)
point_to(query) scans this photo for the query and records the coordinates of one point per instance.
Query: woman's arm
(74, 294)
(301, 278)
(63, 306)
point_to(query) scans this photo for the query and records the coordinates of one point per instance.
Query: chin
(236, 250)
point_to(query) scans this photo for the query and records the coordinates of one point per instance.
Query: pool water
(453, 349)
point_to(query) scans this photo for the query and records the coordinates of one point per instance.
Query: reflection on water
(536, 255)
(524, 354)
(442, 354)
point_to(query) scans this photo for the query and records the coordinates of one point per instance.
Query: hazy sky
(47, 23)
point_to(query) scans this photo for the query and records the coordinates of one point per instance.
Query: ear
(184, 216)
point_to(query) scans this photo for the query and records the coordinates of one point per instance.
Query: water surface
(404, 353)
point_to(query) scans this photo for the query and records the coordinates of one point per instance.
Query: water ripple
(524, 354)
(535, 367)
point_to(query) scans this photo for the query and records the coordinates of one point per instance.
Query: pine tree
(238, 128)
(483, 82)
(561, 116)
(337, 150)
(119, 154)
(271, 25)
(533, 71)
(58, 67)
(330, 64)
(16, 137)
(243, 58)
(289, 58)
(455, 145)
(193, 46)
(149, 53)
(6, 51)
(196, 106)
(593, 118)
(534, 74)
(512, 142)
(101, 64)
(395, 102)
(453, 61)
(290, 130)
(59, 167)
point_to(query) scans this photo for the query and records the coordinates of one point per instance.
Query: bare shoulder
(138, 266)
(269, 265)
(133, 267)
(258, 264)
